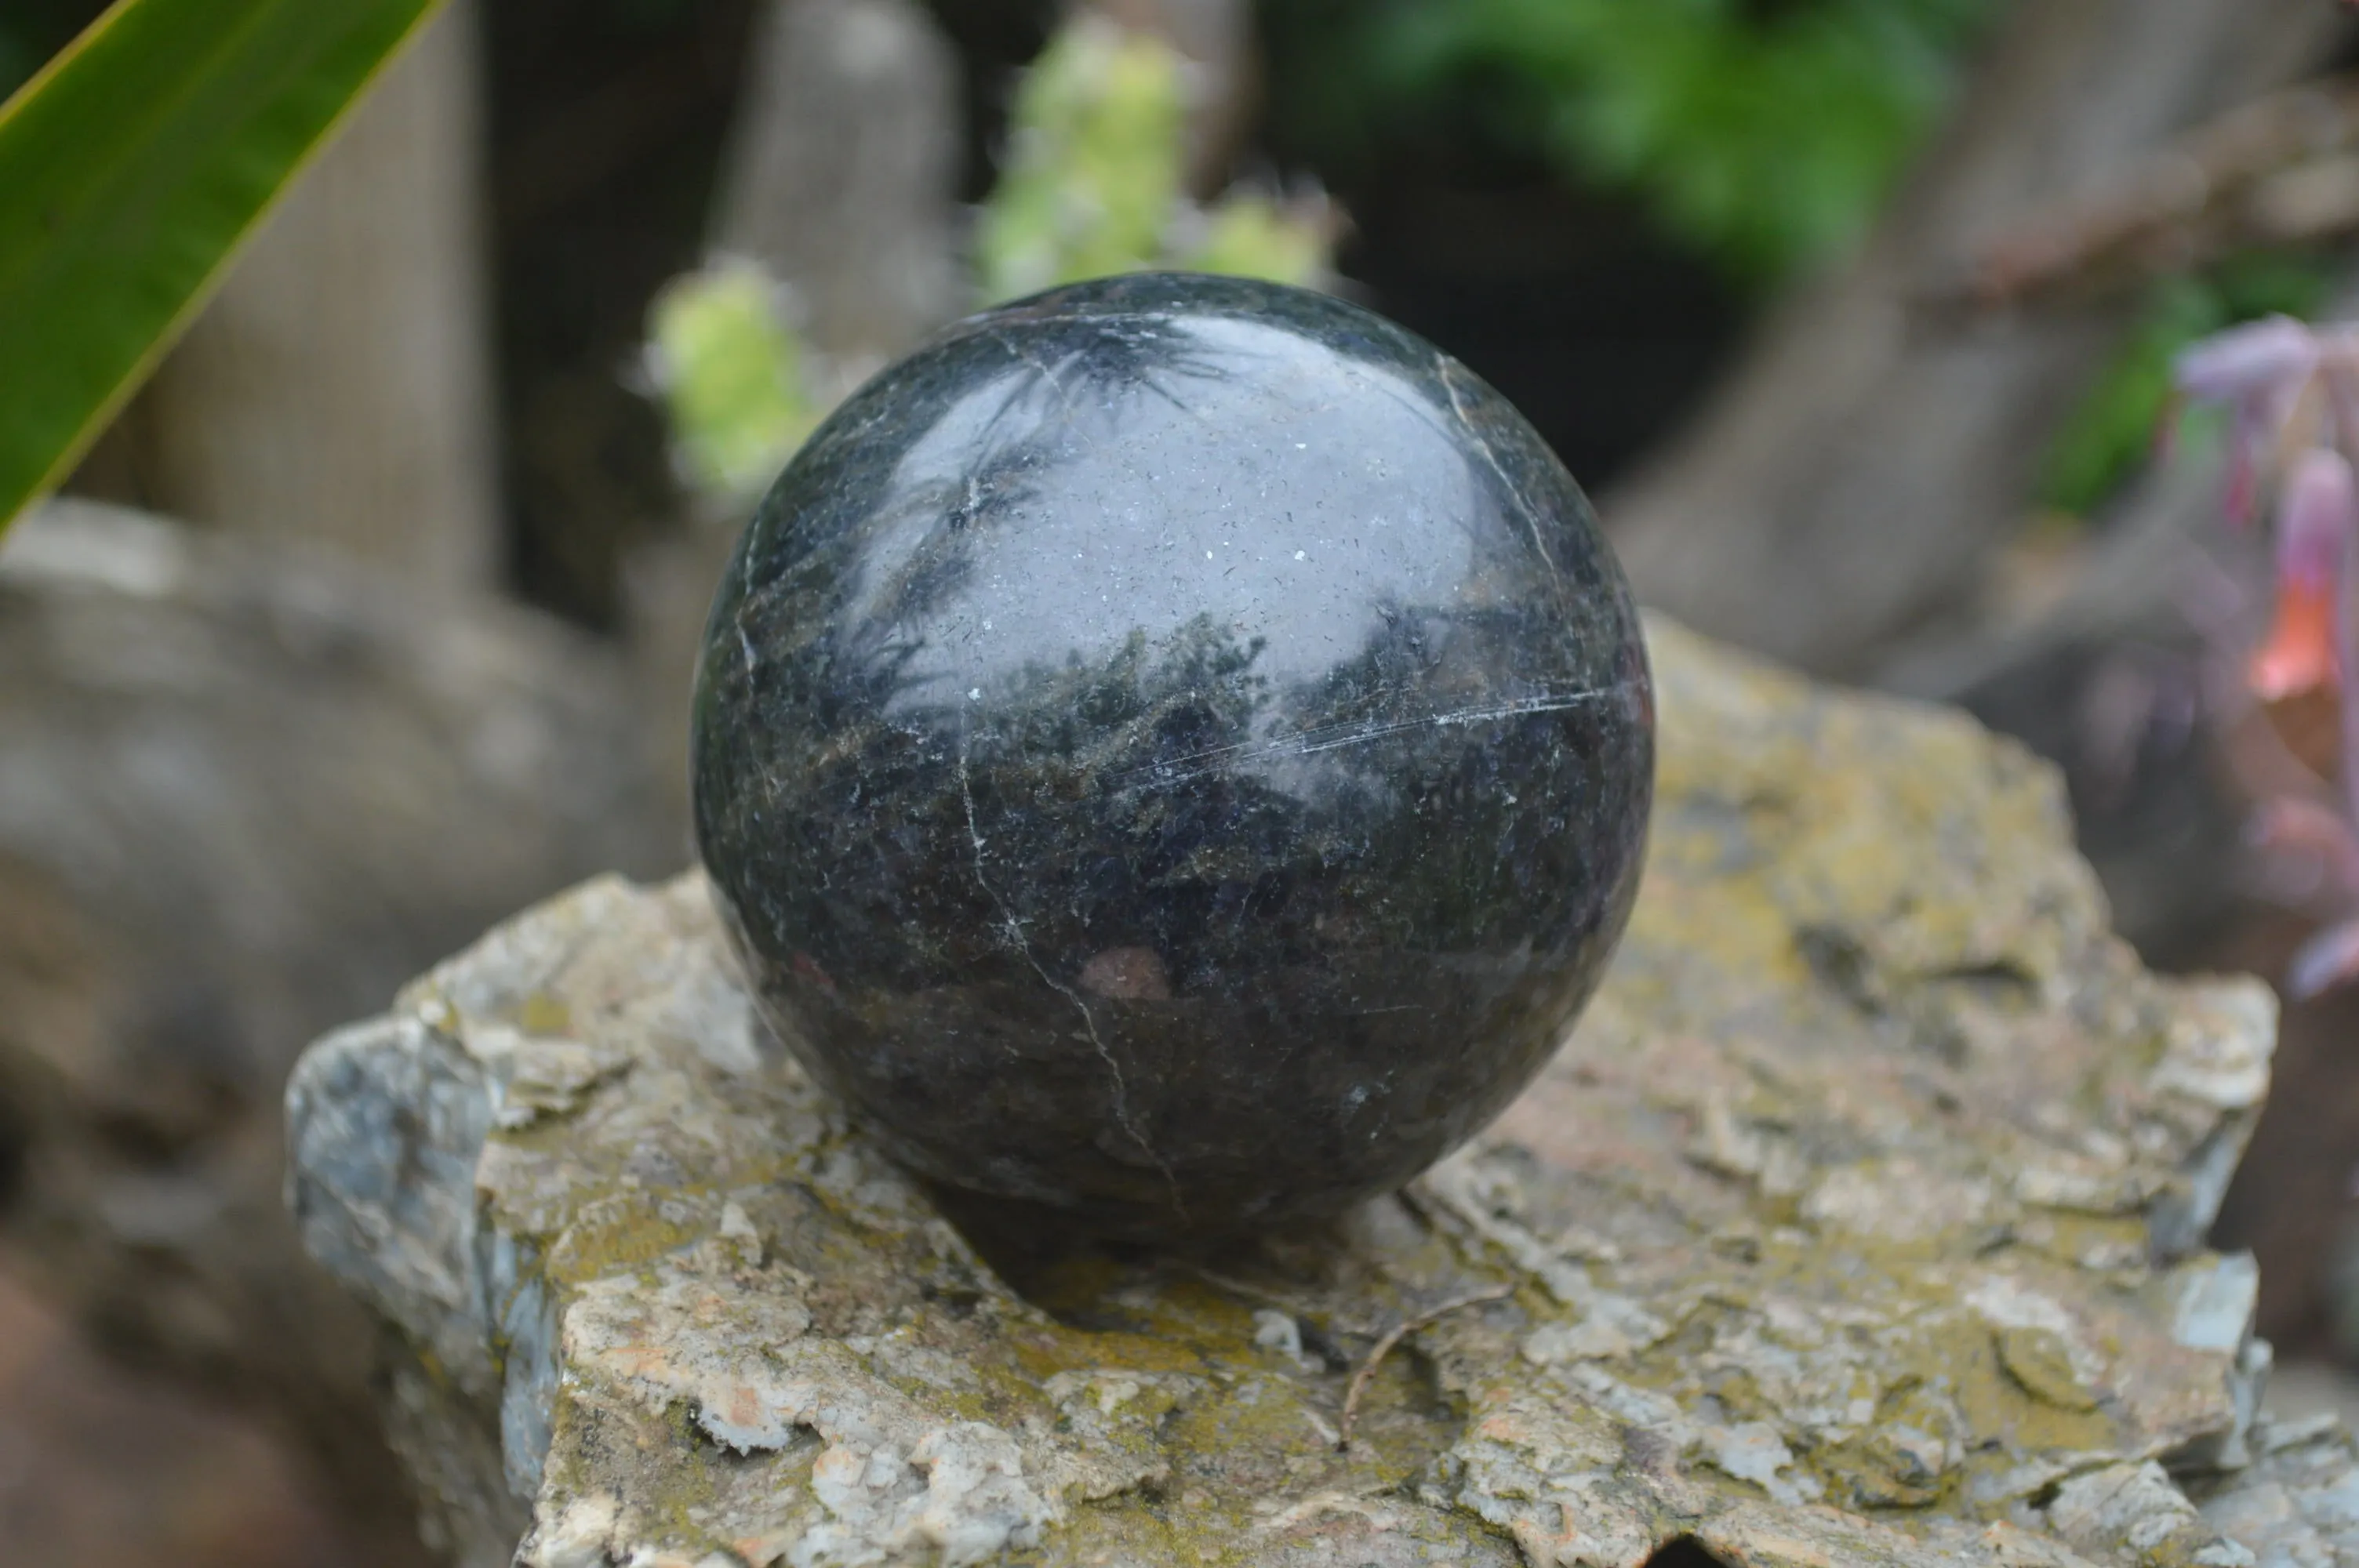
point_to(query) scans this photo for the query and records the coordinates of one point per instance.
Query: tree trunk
(842, 172)
(1853, 475)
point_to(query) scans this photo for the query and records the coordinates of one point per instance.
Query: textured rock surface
(1857, 1223)
(1177, 752)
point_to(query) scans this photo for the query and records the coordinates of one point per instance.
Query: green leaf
(130, 168)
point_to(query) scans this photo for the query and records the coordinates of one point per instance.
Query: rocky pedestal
(1859, 1222)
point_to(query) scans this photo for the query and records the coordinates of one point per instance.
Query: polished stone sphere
(1173, 753)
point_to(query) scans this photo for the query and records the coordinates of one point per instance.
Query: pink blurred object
(2250, 363)
(2328, 960)
(2292, 394)
(2312, 836)
(2318, 515)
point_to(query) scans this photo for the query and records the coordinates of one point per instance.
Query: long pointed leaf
(130, 168)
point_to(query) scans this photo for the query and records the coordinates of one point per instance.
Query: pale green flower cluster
(1092, 184)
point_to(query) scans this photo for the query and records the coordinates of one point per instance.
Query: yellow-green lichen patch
(625, 1231)
(542, 1014)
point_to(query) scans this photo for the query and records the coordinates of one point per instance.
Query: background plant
(1091, 185)
(2290, 394)
(1764, 132)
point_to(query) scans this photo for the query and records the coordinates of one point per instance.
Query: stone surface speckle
(1176, 754)
(1853, 1225)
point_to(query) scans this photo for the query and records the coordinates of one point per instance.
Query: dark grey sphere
(1175, 752)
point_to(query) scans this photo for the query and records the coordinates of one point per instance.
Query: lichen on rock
(1857, 1222)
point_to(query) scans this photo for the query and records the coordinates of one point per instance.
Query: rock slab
(1858, 1222)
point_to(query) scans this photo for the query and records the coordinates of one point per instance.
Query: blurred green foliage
(1250, 234)
(1093, 168)
(1091, 185)
(1763, 132)
(1092, 181)
(2111, 431)
(732, 372)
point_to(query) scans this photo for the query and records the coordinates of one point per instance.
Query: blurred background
(370, 620)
